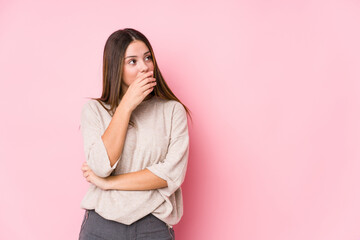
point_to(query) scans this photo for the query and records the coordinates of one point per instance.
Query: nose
(143, 67)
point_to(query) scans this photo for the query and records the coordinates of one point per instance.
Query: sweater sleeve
(173, 167)
(94, 148)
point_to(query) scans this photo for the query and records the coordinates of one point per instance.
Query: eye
(149, 57)
(132, 60)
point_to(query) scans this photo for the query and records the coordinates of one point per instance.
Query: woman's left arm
(140, 180)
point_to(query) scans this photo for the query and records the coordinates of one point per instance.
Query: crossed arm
(113, 140)
(112, 143)
(140, 180)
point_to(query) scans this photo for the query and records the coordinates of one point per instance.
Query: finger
(147, 92)
(148, 81)
(144, 76)
(148, 86)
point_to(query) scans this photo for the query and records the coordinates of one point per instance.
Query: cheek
(129, 75)
(151, 66)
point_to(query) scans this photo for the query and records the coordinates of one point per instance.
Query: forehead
(136, 48)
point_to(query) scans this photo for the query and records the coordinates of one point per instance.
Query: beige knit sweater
(159, 142)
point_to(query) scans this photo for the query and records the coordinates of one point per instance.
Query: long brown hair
(113, 61)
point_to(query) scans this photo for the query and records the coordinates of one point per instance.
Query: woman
(136, 145)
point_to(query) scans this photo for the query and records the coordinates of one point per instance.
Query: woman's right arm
(103, 149)
(114, 135)
(99, 154)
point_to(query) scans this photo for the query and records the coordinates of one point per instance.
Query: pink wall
(274, 87)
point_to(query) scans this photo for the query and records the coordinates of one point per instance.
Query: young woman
(136, 146)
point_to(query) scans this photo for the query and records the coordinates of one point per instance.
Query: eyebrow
(136, 56)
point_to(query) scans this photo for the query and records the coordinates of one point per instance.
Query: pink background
(274, 88)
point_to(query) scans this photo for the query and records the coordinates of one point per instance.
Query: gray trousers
(95, 227)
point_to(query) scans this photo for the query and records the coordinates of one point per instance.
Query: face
(137, 59)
